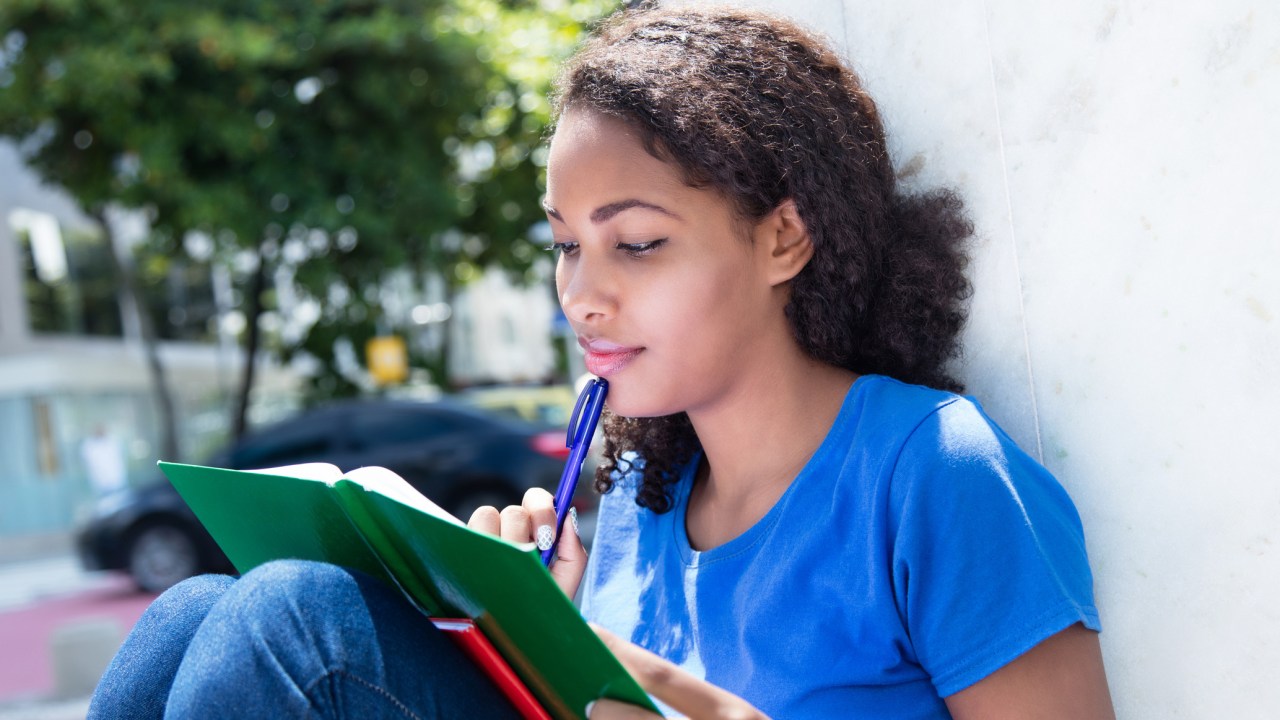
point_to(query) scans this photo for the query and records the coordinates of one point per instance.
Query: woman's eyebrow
(607, 212)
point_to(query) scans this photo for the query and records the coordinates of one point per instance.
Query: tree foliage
(338, 140)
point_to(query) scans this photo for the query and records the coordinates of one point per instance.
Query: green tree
(337, 139)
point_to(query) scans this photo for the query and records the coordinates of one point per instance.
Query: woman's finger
(571, 557)
(485, 519)
(542, 516)
(516, 525)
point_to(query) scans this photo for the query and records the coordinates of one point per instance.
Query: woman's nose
(586, 294)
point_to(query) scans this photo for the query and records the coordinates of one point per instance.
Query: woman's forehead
(597, 155)
(586, 129)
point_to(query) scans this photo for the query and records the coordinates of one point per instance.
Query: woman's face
(659, 280)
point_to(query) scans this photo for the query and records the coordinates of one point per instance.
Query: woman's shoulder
(941, 449)
(923, 425)
(921, 397)
(895, 410)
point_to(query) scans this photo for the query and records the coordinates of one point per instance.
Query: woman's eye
(563, 248)
(640, 249)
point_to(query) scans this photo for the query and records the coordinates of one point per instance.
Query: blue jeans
(291, 639)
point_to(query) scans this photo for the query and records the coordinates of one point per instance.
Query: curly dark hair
(762, 110)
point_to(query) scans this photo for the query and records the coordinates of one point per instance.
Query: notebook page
(386, 482)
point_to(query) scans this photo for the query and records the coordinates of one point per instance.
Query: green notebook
(372, 520)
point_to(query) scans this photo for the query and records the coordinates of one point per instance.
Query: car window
(395, 426)
(284, 446)
(550, 405)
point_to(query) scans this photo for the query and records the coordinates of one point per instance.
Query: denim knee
(265, 596)
(174, 616)
(299, 639)
(190, 598)
(295, 576)
(136, 683)
(274, 641)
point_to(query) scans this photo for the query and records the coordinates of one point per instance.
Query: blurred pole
(117, 254)
(222, 306)
(257, 286)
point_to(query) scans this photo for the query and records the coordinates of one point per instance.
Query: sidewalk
(29, 581)
(46, 710)
(42, 590)
(25, 548)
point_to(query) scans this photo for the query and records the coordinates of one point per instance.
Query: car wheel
(162, 555)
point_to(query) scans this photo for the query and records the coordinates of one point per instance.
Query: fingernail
(544, 537)
(573, 518)
(590, 705)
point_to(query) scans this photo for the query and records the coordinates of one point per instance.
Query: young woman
(795, 523)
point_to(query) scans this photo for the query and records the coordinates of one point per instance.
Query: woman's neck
(756, 439)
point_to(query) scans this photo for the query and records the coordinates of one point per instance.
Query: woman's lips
(605, 358)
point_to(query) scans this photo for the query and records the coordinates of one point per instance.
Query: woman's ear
(783, 242)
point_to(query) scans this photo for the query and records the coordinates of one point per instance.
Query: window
(71, 286)
(68, 278)
(179, 295)
(373, 428)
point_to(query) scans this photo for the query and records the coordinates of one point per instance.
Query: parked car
(550, 404)
(459, 456)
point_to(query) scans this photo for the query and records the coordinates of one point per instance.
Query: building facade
(78, 415)
(77, 411)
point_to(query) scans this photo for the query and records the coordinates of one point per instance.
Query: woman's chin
(620, 403)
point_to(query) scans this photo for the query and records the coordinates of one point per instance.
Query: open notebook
(372, 520)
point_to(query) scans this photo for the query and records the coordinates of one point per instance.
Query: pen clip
(577, 414)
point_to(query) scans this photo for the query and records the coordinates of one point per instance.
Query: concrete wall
(1116, 160)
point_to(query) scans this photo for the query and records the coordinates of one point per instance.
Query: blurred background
(218, 219)
(253, 234)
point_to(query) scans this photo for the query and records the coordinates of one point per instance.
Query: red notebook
(471, 641)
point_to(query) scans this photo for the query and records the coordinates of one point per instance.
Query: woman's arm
(695, 698)
(1060, 678)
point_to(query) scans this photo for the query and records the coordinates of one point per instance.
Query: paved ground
(29, 581)
(45, 710)
(39, 599)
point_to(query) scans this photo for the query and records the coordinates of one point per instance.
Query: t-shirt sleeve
(989, 554)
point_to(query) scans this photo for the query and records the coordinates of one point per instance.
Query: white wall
(1122, 165)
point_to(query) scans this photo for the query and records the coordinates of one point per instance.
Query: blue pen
(582, 426)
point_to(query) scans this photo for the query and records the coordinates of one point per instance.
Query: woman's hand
(534, 520)
(697, 699)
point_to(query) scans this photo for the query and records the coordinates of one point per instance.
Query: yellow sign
(388, 359)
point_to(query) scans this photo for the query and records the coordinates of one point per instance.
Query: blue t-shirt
(918, 551)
